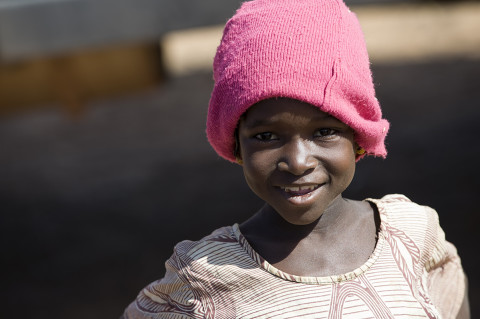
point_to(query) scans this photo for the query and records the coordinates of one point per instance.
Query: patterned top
(412, 273)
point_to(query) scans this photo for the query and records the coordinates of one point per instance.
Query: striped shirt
(412, 273)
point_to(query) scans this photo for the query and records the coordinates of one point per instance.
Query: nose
(298, 157)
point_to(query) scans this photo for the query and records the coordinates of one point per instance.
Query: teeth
(299, 188)
(310, 188)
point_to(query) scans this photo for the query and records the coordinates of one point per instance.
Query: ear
(359, 152)
(237, 152)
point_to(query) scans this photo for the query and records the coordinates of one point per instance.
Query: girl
(294, 105)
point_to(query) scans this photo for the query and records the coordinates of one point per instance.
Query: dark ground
(90, 209)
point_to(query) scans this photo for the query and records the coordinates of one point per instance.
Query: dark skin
(316, 249)
(305, 147)
(299, 160)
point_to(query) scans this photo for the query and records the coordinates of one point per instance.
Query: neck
(268, 224)
(340, 240)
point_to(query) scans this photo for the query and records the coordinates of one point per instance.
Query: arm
(464, 312)
(171, 296)
(447, 282)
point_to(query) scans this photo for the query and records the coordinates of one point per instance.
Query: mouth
(300, 190)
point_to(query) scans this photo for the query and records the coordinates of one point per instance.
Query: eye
(324, 132)
(266, 136)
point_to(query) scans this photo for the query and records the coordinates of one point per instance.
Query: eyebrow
(263, 122)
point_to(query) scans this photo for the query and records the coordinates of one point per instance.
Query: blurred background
(104, 163)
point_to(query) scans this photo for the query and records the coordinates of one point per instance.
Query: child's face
(295, 157)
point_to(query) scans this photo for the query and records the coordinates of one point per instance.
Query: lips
(299, 190)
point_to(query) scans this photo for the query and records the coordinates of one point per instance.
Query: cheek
(343, 163)
(257, 168)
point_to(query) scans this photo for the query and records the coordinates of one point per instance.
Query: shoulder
(213, 244)
(212, 255)
(413, 228)
(402, 217)
(417, 229)
(415, 225)
(184, 291)
(400, 211)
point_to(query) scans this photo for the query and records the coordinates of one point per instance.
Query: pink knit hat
(309, 50)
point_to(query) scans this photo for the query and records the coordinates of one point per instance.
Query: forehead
(283, 109)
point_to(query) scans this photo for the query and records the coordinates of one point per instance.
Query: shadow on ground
(92, 208)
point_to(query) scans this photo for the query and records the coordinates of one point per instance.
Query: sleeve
(445, 276)
(171, 297)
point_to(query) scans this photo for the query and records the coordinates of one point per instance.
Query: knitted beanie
(309, 50)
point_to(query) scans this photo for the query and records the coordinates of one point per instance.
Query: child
(294, 105)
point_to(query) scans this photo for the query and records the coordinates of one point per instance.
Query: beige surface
(394, 33)
(403, 33)
(75, 78)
